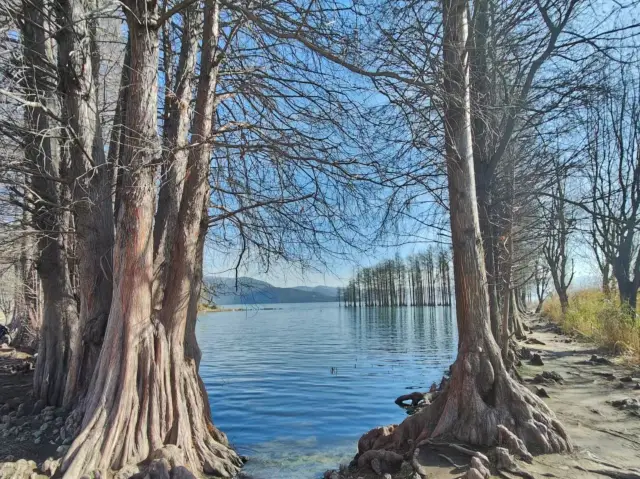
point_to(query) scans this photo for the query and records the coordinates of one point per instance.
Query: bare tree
(613, 139)
(463, 409)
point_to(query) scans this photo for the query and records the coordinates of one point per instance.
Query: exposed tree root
(127, 420)
(481, 405)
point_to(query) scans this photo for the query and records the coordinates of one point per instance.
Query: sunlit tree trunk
(480, 394)
(146, 391)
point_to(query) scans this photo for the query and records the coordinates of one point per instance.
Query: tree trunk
(79, 67)
(146, 391)
(628, 291)
(480, 394)
(59, 321)
(26, 321)
(174, 164)
(515, 319)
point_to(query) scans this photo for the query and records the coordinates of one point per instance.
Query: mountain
(326, 290)
(223, 292)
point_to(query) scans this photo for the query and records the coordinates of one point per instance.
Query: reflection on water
(295, 388)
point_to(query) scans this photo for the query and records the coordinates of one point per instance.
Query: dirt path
(606, 438)
(583, 402)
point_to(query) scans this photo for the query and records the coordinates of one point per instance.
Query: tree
(559, 224)
(613, 174)
(541, 278)
(156, 373)
(59, 322)
(480, 395)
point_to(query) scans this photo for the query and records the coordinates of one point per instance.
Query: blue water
(294, 388)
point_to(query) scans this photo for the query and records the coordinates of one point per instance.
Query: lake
(295, 388)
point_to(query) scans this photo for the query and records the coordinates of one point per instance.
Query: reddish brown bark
(146, 391)
(481, 395)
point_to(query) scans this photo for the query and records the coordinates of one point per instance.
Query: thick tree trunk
(146, 391)
(628, 291)
(79, 66)
(480, 395)
(174, 164)
(59, 321)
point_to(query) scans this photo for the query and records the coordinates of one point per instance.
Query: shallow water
(294, 388)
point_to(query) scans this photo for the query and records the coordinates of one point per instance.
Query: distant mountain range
(223, 292)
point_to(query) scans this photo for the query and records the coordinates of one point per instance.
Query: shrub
(600, 319)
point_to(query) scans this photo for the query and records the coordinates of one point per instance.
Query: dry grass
(599, 319)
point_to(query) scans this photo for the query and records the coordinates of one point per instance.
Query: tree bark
(146, 390)
(174, 164)
(59, 321)
(25, 322)
(79, 67)
(480, 395)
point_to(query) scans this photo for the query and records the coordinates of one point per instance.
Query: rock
(596, 360)
(626, 379)
(172, 453)
(181, 472)
(20, 410)
(541, 392)
(525, 353)
(481, 468)
(552, 375)
(44, 427)
(387, 476)
(380, 461)
(333, 474)
(536, 360)
(37, 440)
(159, 469)
(62, 450)
(7, 419)
(21, 469)
(50, 466)
(534, 341)
(637, 386)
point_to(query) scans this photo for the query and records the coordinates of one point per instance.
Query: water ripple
(294, 388)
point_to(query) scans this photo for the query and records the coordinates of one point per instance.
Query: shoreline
(202, 309)
(598, 401)
(596, 397)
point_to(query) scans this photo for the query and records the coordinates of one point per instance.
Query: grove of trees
(421, 280)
